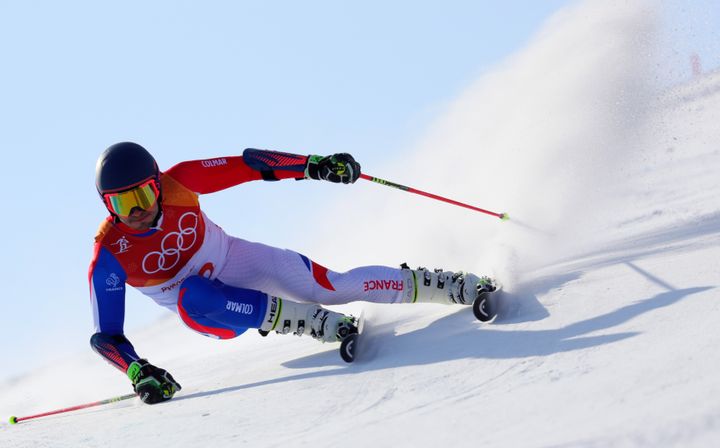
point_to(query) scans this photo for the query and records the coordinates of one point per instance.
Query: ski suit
(216, 283)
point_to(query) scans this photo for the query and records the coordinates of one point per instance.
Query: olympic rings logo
(172, 246)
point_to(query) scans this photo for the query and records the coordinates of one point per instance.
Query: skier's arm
(337, 168)
(107, 294)
(211, 175)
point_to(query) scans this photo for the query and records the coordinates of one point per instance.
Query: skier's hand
(151, 384)
(337, 168)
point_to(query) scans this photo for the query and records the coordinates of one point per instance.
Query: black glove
(151, 384)
(337, 168)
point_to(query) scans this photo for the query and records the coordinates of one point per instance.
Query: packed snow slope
(609, 330)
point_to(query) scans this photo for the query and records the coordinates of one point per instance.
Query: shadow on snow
(457, 336)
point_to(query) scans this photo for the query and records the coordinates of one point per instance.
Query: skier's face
(140, 219)
(136, 207)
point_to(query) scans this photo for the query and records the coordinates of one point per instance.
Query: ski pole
(14, 420)
(503, 216)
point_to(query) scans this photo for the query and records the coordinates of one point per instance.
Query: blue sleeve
(107, 294)
(115, 349)
(275, 165)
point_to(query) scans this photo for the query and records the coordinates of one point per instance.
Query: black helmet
(123, 166)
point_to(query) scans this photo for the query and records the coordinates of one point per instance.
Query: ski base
(485, 306)
(348, 348)
(349, 345)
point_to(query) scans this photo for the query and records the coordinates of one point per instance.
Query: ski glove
(337, 168)
(151, 384)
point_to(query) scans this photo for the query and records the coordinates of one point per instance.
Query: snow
(608, 334)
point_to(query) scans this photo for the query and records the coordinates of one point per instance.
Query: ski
(485, 306)
(349, 345)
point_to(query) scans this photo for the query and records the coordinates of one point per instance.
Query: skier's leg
(222, 311)
(446, 287)
(206, 307)
(285, 316)
(287, 273)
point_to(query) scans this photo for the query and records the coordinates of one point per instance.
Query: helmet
(123, 166)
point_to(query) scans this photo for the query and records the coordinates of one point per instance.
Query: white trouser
(285, 273)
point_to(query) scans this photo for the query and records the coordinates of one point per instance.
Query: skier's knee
(199, 295)
(209, 327)
(218, 310)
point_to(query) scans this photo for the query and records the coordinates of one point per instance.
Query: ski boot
(446, 287)
(285, 316)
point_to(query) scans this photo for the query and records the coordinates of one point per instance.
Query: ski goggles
(143, 196)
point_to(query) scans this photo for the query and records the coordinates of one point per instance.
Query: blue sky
(202, 79)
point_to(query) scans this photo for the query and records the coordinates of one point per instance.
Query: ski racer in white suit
(157, 239)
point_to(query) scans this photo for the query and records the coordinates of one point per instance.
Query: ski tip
(483, 308)
(13, 420)
(504, 217)
(347, 348)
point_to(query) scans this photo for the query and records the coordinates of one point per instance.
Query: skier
(158, 240)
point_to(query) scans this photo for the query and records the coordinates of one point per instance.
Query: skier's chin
(141, 223)
(141, 226)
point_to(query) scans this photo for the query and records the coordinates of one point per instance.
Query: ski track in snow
(608, 332)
